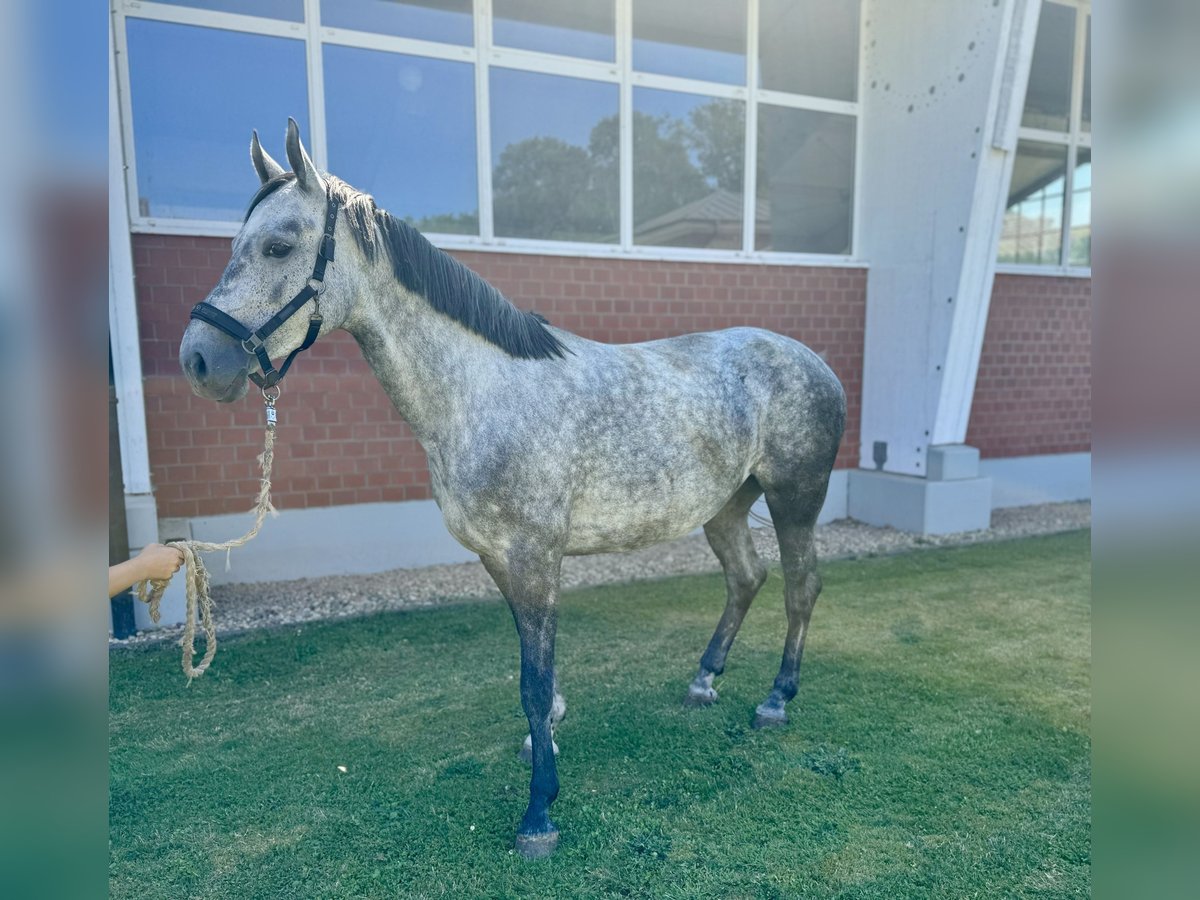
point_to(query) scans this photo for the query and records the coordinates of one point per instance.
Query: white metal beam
(122, 305)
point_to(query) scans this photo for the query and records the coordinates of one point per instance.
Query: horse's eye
(278, 249)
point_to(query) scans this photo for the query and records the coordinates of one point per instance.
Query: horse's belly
(607, 521)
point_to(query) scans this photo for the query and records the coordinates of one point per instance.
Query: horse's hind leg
(728, 534)
(558, 709)
(794, 514)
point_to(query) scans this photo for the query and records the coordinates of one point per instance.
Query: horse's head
(273, 260)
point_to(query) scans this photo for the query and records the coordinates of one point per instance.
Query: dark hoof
(537, 846)
(698, 698)
(769, 718)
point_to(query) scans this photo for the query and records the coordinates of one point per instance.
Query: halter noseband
(255, 342)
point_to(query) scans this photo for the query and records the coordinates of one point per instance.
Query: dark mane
(449, 286)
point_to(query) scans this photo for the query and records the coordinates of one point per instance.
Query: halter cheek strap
(255, 342)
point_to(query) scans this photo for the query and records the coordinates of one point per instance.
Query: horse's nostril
(197, 365)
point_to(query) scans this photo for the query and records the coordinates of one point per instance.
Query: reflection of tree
(447, 223)
(547, 188)
(716, 134)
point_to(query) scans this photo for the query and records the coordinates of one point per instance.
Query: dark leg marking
(794, 523)
(530, 583)
(728, 534)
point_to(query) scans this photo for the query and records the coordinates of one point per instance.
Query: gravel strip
(242, 607)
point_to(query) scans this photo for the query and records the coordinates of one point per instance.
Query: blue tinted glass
(688, 154)
(554, 157)
(415, 153)
(447, 21)
(703, 39)
(289, 10)
(584, 28)
(196, 94)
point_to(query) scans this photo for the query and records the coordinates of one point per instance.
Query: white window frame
(483, 54)
(1074, 138)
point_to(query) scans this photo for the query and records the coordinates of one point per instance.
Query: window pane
(196, 95)
(289, 10)
(416, 152)
(447, 21)
(1048, 98)
(584, 28)
(1080, 251)
(703, 39)
(688, 154)
(1033, 218)
(1086, 115)
(805, 181)
(554, 157)
(809, 47)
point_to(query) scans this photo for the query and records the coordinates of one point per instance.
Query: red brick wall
(1033, 393)
(339, 439)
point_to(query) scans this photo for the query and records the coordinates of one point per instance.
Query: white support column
(141, 511)
(122, 308)
(943, 84)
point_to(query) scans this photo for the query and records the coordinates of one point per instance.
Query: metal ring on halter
(271, 398)
(317, 285)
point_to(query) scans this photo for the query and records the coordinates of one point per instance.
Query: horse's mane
(448, 286)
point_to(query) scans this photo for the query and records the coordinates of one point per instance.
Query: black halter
(255, 342)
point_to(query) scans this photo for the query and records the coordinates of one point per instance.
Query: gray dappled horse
(542, 443)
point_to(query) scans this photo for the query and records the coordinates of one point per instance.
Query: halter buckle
(252, 344)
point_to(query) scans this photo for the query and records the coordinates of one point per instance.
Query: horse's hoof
(537, 846)
(700, 697)
(769, 717)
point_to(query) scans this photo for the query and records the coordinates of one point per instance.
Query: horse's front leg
(529, 579)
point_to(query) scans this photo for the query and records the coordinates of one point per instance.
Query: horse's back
(666, 431)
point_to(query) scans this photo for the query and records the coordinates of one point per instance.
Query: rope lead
(199, 599)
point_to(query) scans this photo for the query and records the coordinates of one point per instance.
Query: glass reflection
(1079, 252)
(1033, 218)
(584, 28)
(1086, 114)
(417, 156)
(447, 21)
(288, 10)
(703, 39)
(688, 155)
(555, 151)
(805, 181)
(197, 93)
(809, 47)
(1048, 97)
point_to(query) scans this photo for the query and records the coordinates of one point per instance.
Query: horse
(540, 443)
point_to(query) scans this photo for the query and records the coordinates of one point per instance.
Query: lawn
(939, 746)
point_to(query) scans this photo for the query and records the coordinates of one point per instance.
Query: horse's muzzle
(216, 366)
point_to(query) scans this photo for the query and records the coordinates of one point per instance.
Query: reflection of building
(863, 160)
(714, 221)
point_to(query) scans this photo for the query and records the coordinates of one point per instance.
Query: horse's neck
(431, 367)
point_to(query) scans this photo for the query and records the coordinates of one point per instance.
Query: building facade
(903, 187)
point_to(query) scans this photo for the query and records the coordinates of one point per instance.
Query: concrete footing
(951, 498)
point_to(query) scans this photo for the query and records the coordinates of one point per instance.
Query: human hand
(158, 561)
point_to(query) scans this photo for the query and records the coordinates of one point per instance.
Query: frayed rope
(198, 598)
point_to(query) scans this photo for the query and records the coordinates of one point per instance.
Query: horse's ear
(306, 172)
(266, 167)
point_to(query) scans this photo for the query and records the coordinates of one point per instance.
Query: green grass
(938, 747)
